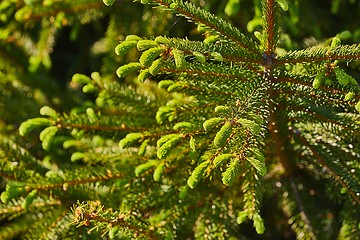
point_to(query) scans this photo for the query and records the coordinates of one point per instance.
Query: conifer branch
(328, 168)
(295, 211)
(75, 179)
(200, 16)
(270, 26)
(301, 207)
(87, 217)
(186, 139)
(326, 118)
(18, 208)
(315, 99)
(91, 127)
(320, 54)
(38, 12)
(59, 224)
(228, 50)
(214, 71)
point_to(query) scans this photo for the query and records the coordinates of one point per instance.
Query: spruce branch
(92, 211)
(346, 123)
(192, 138)
(320, 54)
(16, 207)
(338, 176)
(294, 210)
(83, 123)
(270, 27)
(218, 25)
(57, 227)
(38, 11)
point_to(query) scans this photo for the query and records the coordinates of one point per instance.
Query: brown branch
(119, 222)
(208, 91)
(293, 80)
(325, 165)
(121, 128)
(201, 72)
(7, 176)
(74, 182)
(301, 207)
(316, 59)
(53, 202)
(322, 118)
(316, 96)
(313, 94)
(309, 84)
(270, 27)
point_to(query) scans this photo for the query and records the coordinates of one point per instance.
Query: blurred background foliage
(43, 43)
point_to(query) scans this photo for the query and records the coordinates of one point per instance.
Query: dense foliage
(179, 119)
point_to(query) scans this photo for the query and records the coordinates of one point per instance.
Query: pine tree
(191, 139)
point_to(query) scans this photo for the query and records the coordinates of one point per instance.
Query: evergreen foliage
(229, 136)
